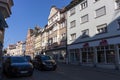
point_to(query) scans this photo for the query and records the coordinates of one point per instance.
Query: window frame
(96, 16)
(85, 3)
(83, 17)
(105, 28)
(71, 24)
(72, 36)
(72, 11)
(85, 35)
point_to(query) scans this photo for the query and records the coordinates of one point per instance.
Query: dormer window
(117, 4)
(83, 4)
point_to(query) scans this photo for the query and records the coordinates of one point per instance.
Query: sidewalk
(103, 70)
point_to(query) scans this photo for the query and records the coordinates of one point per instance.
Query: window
(102, 28)
(83, 4)
(73, 36)
(73, 24)
(117, 4)
(63, 36)
(85, 33)
(100, 12)
(106, 55)
(96, 0)
(84, 18)
(87, 55)
(118, 22)
(62, 25)
(72, 11)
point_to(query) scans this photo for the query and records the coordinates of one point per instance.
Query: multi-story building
(55, 32)
(20, 48)
(5, 12)
(38, 40)
(30, 43)
(17, 49)
(11, 50)
(93, 32)
(44, 36)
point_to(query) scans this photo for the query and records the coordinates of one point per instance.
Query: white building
(20, 48)
(11, 50)
(17, 49)
(93, 30)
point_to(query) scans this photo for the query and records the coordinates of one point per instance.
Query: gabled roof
(53, 11)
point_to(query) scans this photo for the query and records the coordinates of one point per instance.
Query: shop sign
(103, 42)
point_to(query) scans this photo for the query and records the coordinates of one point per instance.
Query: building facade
(11, 50)
(30, 43)
(93, 32)
(5, 12)
(38, 40)
(56, 34)
(20, 48)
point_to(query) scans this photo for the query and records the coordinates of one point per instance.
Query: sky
(27, 14)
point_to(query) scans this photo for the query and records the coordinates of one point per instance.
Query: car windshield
(28, 58)
(46, 58)
(18, 59)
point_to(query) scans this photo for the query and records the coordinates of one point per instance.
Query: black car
(28, 58)
(18, 66)
(44, 62)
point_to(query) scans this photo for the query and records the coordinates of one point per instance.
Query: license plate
(23, 71)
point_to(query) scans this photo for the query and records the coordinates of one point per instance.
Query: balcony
(5, 7)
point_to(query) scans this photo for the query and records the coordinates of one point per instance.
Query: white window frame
(96, 0)
(83, 5)
(102, 28)
(102, 14)
(72, 23)
(72, 11)
(85, 33)
(73, 36)
(86, 20)
(117, 4)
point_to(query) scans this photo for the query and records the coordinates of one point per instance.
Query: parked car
(44, 62)
(28, 58)
(18, 66)
(3, 62)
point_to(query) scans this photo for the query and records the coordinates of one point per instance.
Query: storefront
(103, 55)
(74, 55)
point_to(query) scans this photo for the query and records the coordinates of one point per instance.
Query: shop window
(100, 56)
(110, 56)
(77, 54)
(90, 57)
(84, 57)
